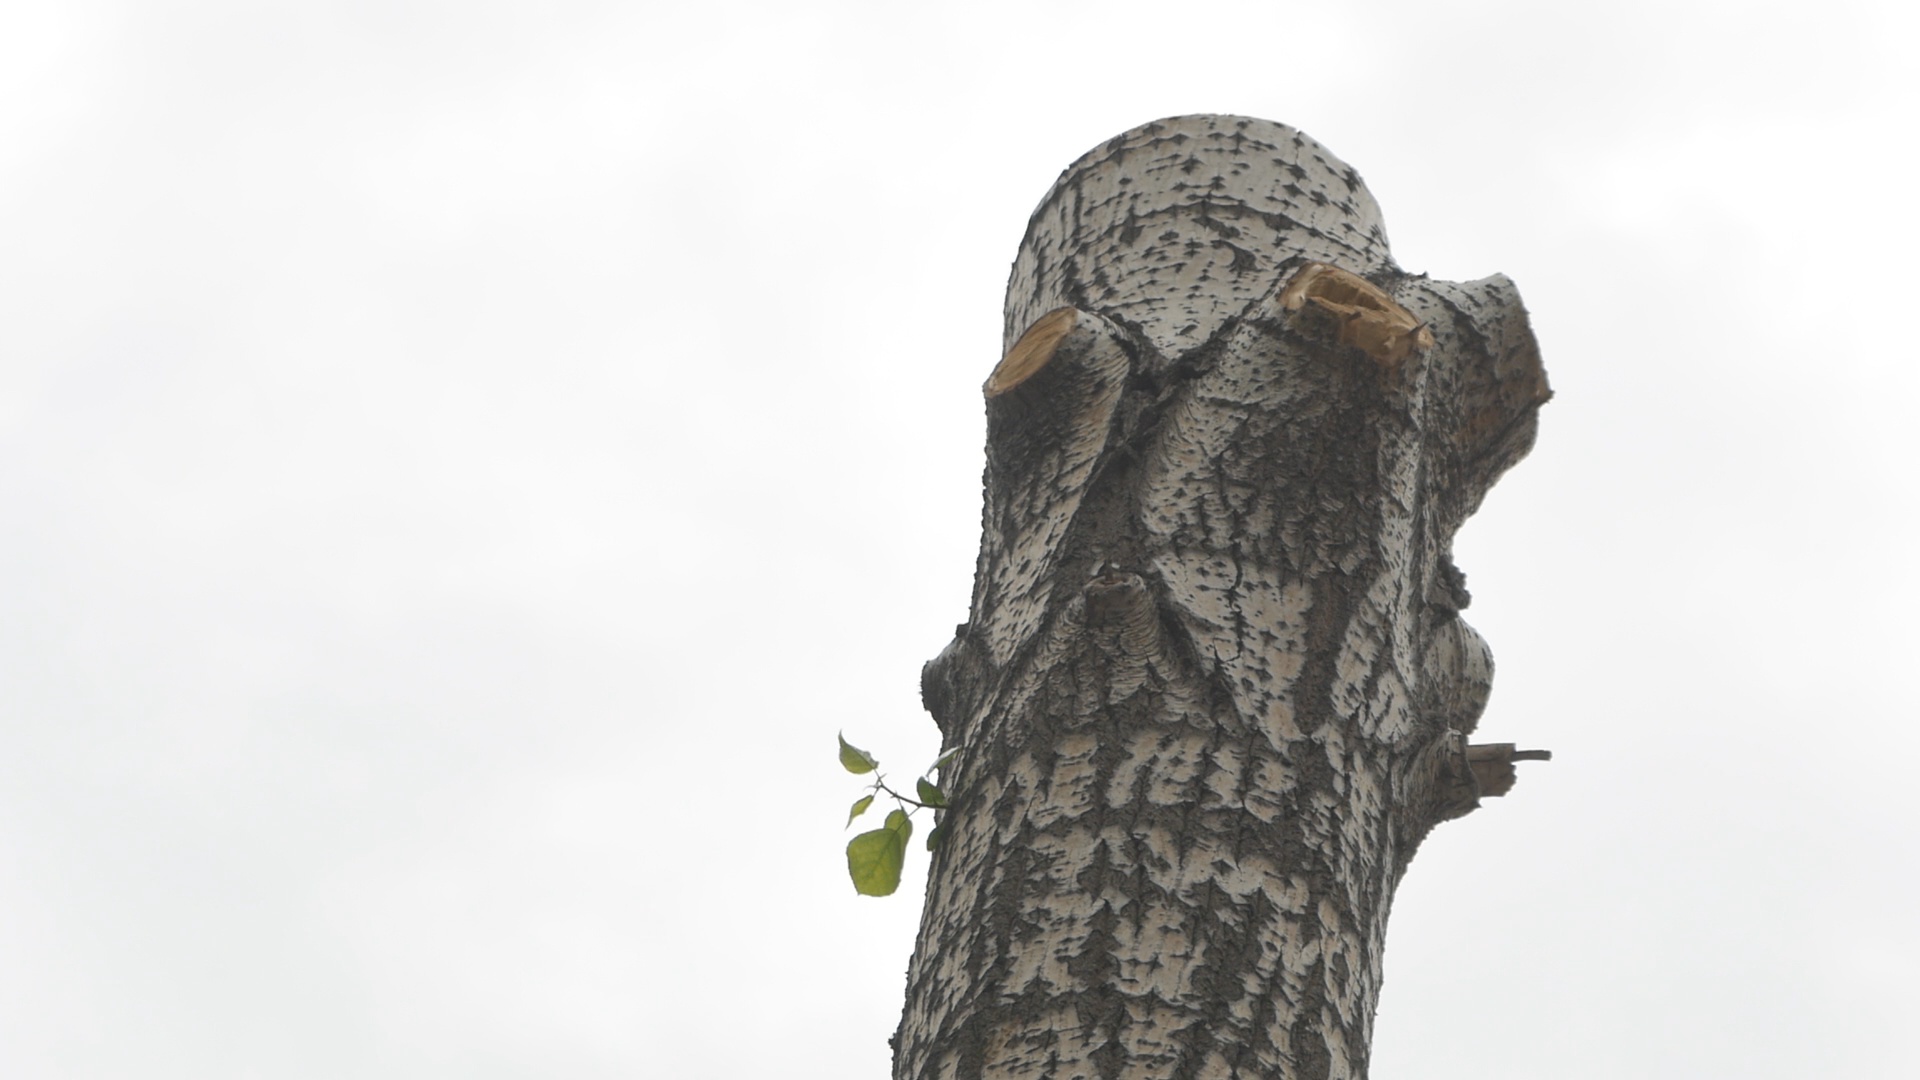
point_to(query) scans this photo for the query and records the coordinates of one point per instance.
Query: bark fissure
(1214, 687)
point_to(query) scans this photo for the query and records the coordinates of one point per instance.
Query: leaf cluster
(875, 857)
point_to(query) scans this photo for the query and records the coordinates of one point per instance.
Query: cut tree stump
(1214, 687)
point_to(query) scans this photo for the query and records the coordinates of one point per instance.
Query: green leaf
(855, 759)
(930, 795)
(935, 835)
(941, 761)
(859, 807)
(899, 822)
(874, 858)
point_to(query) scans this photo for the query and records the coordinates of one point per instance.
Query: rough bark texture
(1214, 687)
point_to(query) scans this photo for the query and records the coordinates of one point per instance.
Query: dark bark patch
(1311, 1058)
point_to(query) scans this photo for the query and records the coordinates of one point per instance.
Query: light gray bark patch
(1183, 182)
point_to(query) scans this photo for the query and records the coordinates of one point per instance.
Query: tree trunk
(1214, 688)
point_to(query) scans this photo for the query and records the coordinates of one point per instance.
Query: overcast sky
(462, 462)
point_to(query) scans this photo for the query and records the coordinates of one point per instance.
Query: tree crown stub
(1183, 223)
(1205, 276)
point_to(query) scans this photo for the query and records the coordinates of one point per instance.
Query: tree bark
(1214, 688)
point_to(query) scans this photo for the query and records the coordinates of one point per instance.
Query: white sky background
(463, 461)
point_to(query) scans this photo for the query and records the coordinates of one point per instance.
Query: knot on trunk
(1123, 622)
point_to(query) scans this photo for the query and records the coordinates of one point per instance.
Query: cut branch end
(1367, 318)
(1032, 352)
(1492, 765)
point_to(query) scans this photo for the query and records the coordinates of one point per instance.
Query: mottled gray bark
(1214, 687)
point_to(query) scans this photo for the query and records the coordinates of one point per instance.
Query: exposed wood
(1361, 315)
(1032, 351)
(1214, 687)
